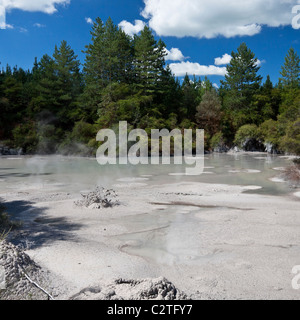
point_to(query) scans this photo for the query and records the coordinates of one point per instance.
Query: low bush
(248, 138)
(290, 143)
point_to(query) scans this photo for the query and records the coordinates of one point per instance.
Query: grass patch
(6, 225)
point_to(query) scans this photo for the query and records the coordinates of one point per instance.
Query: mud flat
(211, 241)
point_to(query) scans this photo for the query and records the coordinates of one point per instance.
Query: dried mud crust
(15, 268)
(99, 199)
(122, 289)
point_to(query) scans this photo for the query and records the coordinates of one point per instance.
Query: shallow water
(161, 237)
(156, 235)
(70, 174)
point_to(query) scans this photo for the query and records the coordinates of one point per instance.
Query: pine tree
(169, 94)
(267, 86)
(241, 83)
(108, 60)
(193, 90)
(242, 78)
(290, 71)
(45, 78)
(148, 61)
(266, 102)
(67, 83)
(12, 101)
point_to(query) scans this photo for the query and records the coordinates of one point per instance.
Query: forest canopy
(60, 104)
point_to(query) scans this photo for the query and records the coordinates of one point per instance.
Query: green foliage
(241, 83)
(6, 225)
(290, 71)
(242, 78)
(208, 115)
(25, 136)
(80, 140)
(245, 133)
(148, 61)
(57, 107)
(269, 132)
(291, 141)
(217, 140)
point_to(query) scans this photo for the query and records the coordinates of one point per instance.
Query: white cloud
(39, 25)
(182, 68)
(89, 20)
(194, 68)
(209, 19)
(226, 58)
(174, 55)
(130, 28)
(260, 62)
(23, 30)
(46, 6)
(4, 25)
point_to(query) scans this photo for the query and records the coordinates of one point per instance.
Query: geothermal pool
(72, 174)
(231, 232)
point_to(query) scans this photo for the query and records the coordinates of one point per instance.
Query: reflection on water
(76, 174)
(162, 236)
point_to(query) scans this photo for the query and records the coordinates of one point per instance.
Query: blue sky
(196, 32)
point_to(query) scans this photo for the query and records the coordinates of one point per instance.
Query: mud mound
(145, 289)
(17, 272)
(99, 199)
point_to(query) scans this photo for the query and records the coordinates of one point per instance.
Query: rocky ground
(22, 279)
(122, 289)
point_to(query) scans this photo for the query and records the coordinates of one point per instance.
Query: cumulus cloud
(89, 20)
(174, 55)
(46, 6)
(132, 29)
(226, 58)
(194, 68)
(182, 68)
(209, 19)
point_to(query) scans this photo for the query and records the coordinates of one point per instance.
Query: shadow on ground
(36, 228)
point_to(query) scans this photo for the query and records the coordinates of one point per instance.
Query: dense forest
(60, 105)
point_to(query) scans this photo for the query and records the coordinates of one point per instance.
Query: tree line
(59, 105)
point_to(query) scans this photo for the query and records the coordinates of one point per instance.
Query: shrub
(245, 133)
(79, 141)
(290, 143)
(297, 162)
(218, 143)
(292, 174)
(269, 132)
(83, 132)
(217, 140)
(25, 136)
